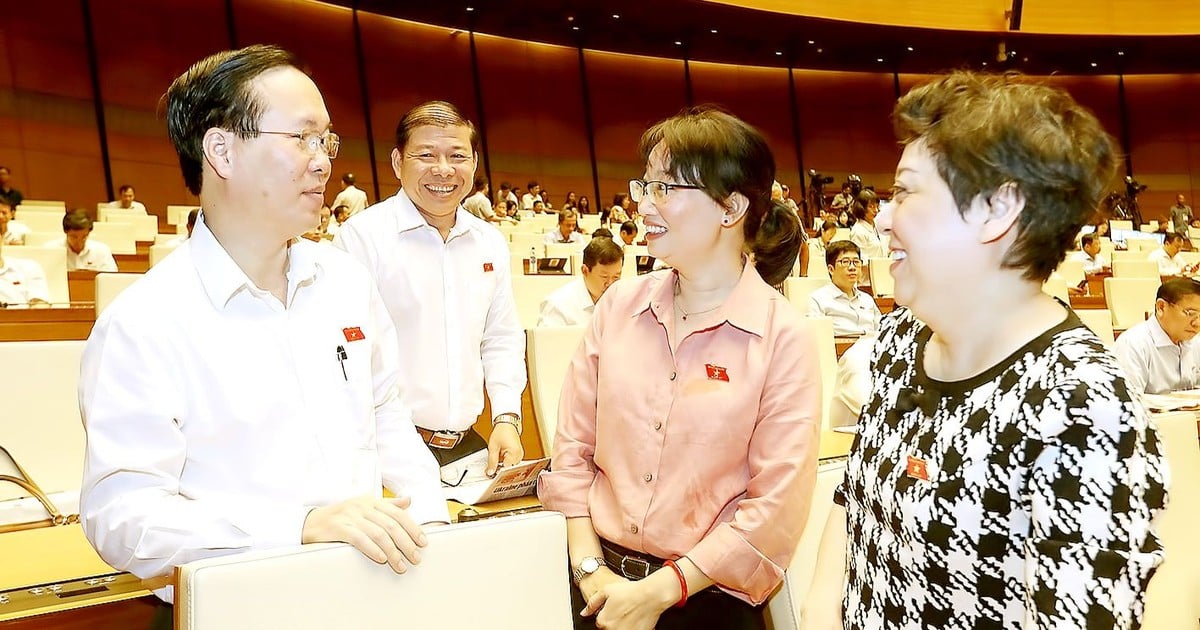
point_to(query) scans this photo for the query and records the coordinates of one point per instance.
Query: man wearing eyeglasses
(853, 312)
(1162, 354)
(243, 396)
(444, 275)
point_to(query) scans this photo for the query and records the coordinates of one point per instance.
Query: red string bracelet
(682, 583)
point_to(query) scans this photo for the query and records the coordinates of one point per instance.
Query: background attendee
(1170, 263)
(853, 312)
(699, 464)
(478, 202)
(993, 408)
(619, 212)
(1181, 215)
(12, 231)
(1089, 254)
(568, 230)
(532, 194)
(351, 196)
(572, 199)
(340, 214)
(214, 424)
(787, 198)
(863, 233)
(83, 253)
(321, 231)
(24, 282)
(852, 389)
(573, 303)
(444, 276)
(125, 200)
(191, 225)
(843, 200)
(818, 246)
(1161, 354)
(7, 192)
(603, 233)
(585, 206)
(626, 234)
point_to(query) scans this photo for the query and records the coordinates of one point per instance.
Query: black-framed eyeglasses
(658, 190)
(456, 483)
(312, 141)
(849, 262)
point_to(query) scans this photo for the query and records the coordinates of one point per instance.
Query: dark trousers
(164, 617)
(710, 609)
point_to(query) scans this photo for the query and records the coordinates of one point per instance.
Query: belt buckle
(637, 562)
(445, 439)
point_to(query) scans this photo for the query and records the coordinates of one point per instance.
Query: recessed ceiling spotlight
(678, 43)
(910, 49)
(574, 28)
(985, 63)
(1094, 64)
(470, 8)
(714, 31)
(570, 18)
(880, 60)
(616, 16)
(1024, 58)
(779, 53)
(1120, 53)
(820, 50)
(811, 42)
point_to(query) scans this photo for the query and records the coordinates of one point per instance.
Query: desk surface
(59, 322)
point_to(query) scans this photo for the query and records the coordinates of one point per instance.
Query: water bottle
(532, 260)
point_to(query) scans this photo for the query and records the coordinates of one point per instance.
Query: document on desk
(1186, 400)
(511, 482)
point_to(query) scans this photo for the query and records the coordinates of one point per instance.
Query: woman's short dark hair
(436, 114)
(986, 131)
(216, 92)
(866, 198)
(619, 199)
(722, 154)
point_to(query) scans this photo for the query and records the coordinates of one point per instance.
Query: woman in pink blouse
(687, 440)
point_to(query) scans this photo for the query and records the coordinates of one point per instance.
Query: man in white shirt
(853, 387)
(1162, 354)
(12, 232)
(21, 281)
(82, 253)
(533, 194)
(1089, 254)
(567, 232)
(817, 246)
(478, 202)
(626, 234)
(444, 275)
(853, 312)
(351, 196)
(242, 395)
(573, 303)
(1170, 263)
(125, 200)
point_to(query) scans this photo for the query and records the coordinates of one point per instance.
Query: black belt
(627, 562)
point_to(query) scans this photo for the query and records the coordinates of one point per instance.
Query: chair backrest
(31, 204)
(882, 283)
(842, 234)
(48, 222)
(41, 239)
(1056, 286)
(110, 285)
(566, 250)
(1071, 271)
(1193, 232)
(1139, 254)
(1117, 224)
(523, 242)
(54, 265)
(1130, 300)
(159, 252)
(1173, 597)
(1190, 258)
(1099, 320)
(590, 223)
(783, 608)
(551, 349)
(1135, 269)
(40, 425)
(528, 293)
(145, 227)
(629, 263)
(1141, 244)
(120, 237)
(514, 568)
(1149, 227)
(177, 215)
(797, 291)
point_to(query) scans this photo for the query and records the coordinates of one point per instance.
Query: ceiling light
(714, 31)
(678, 43)
(811, 42)
(910, 49)
(1120, 53)
(616, 16)
(820, 50)
(570, 18)
(470, 8)
(779, 53)
(574, 28)
(1094, 64)
(985, 63)
(880, 60)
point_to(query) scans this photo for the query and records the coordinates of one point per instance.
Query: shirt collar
(222, 278)
(409, 218)
(1159, 336)
(745, 308)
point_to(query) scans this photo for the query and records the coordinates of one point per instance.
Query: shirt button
(633, 529)
(648, 477)
(657, 426)
(672, 376)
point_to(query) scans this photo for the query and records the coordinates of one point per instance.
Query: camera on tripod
(816, 180)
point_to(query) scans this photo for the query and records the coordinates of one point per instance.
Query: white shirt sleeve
(36, 287)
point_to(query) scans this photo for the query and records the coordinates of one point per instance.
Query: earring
(726, 220)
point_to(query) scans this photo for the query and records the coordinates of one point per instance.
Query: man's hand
(380, 528)
(504, 447)
(625, 605)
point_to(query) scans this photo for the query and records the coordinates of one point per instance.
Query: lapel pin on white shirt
(353, 334)
(488, 267)
(716, 372)
(341, 358)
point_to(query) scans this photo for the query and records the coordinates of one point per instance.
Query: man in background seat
(1162, 354)
(573, 303)
(82, 253)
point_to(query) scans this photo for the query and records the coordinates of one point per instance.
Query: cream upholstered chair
(1149, 227)
(43, 205)
(528, 293)
(1056, 286)
(1142, 244)
(1173, 597)
(522, 242)
(629, 262)
(1116, 224)
(797, 291)
(48, 222)
(1071, 271)
(783, 608)
(566, 250)
(145, 227)
(514, 568)
(159, 252)
(110, 285)
(882, 283)
(1130, 300)
(121, 238)
(177, 215)
(54, 264)
(1139, 254)
(1135, 269)
(551, 349)
(1099, 320)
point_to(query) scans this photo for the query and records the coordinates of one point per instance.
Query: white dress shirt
(133, 205)
(528, 199)
(1154, 364)
(851, 316)
(867, 238)
(554, 237)
(1091, 265)
(568, 305)
(217, 417)
(453, 307)
(22, 280)
(853, 387)
(15, 233)
(479, 205)
(353, 198)
(1167, 265)
(96, 256)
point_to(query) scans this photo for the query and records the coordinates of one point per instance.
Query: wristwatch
(508, 418)
(586, 567)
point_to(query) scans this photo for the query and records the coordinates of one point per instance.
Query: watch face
(590, 565)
